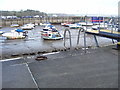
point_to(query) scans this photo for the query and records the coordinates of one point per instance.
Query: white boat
(0, 27)
(101, 26)
(75, 26)
(14, 25)
(31, 24)
(44, 24)
(15, 34)
(28, 26)
(51, 34)
(1, 32)
(66, 24)
(48, 27)
(95, 27)
(86, 24)
(36, 24)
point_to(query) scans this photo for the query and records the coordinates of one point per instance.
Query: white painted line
(32, 76)
(51, 53)
(11, 59)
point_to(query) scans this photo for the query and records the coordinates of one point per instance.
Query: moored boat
(66, 24)
(48, 27)
(44, 24)
(14, 25)
(101, 26)
(1, 32)
(75, 26)
(15, 34)
(51, 33)
(86, 24)
(0, 27)
(27, 27)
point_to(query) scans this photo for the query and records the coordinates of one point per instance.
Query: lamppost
(119, 16)
(118, 45)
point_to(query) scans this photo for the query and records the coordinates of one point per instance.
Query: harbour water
(34, 44)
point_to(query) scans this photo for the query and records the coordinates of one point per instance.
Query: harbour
(35, 44)
(59, 46)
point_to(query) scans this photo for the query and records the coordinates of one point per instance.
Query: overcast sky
(100, 7)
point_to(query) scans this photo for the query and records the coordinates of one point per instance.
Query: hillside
(21, 13)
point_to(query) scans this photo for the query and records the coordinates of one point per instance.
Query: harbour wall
(54, 20)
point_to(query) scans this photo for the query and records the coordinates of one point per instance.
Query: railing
(67, 30)
(81, 29)
(84, 32)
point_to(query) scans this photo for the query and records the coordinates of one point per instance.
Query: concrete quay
(98, 68)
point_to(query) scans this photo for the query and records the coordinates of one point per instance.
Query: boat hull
(47, 38)
(14, 25)
(74, 27)
(51, 37)
(27, 28)
(12, 38)
(14, 35)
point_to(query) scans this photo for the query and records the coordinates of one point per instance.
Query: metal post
(99, 23)
(85, 41)
(96, 41)
(79, 35)
(118, 46)
(85, 34)
(112, 25)
(112, 28)
(104, 21)
(69, 37)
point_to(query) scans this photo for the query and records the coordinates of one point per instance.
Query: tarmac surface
(98, 68)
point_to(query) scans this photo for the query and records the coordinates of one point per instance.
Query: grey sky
(100, 7)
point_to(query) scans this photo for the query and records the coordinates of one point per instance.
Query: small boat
(47, 27)
(66, 24)
(28, 26)
(44, 24)
(86, 24)
(95, 27)
(75, 26)
(101, 26)
(36, 24)
(1, 32)
(63, 24)
(14, 25)
(15, 34)
(51, 34)
(0, 27)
